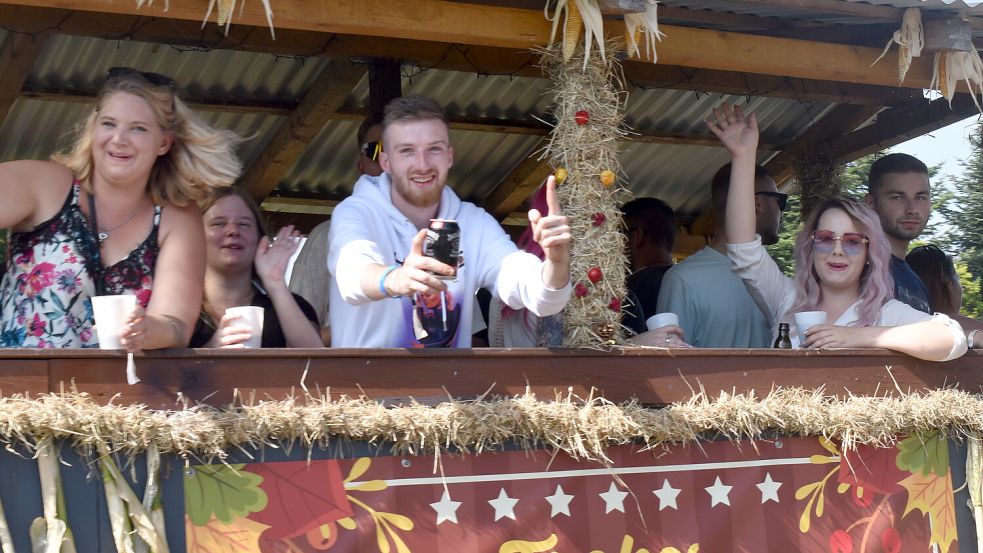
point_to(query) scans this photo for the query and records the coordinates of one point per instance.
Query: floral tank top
(51, 272)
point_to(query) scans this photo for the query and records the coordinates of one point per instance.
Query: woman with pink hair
(842, 266)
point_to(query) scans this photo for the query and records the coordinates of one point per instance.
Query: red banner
(790, 494)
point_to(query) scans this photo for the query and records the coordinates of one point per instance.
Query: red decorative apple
(598, 219)
(615, 305)
(580, 290)
(595, 275)
(581, 117)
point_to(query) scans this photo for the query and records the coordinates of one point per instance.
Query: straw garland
(588, 101)
(580, 428)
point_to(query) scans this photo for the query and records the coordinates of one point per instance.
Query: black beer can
(443, 243)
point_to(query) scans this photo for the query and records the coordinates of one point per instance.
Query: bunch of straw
(582, 428)
(588, 102)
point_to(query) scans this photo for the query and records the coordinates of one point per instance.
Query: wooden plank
(519, 184)
(648, 375)
(17, 58)
(323, 99)
(23, 376)
(451, 22)
(897, 125)
(473, 59)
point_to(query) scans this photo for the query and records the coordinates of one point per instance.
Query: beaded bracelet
(382, 281)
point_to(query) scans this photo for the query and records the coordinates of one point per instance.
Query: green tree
(962, 210)
(972, 301)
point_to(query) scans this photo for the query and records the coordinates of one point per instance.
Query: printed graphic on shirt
(432, 320)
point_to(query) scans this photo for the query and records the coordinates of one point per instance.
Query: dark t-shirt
(272, 333)
(643, 288)
(908, 288)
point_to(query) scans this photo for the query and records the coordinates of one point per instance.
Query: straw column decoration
(588, 103)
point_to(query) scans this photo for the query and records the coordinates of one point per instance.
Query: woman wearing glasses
(842, 266)
(114, 215)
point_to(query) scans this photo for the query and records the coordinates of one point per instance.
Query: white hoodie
(367, 228)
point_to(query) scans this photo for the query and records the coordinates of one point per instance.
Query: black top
(645, 285)
(272, 333)
(908, 288)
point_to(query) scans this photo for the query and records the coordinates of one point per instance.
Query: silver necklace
(104, 233)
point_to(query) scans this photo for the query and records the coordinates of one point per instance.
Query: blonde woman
(116, 214)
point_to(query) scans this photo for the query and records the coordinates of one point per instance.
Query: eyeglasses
(782, 198)
(372, 150)
(853, 243)
(155, 79)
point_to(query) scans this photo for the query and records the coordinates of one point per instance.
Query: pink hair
(876, 284)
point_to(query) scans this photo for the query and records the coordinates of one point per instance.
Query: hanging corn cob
(910, 39)
(950, 67)
(226, 9)
(646, 22)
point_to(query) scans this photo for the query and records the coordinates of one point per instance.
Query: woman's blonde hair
(200, 159)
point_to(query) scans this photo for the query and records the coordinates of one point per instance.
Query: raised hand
(551, 231)
(737, 132)
(271, 258)
(413, 277)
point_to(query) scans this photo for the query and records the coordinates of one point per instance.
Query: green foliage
(962, 211)
(226, 491)
(972, 301)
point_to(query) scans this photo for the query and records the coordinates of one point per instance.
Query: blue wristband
(382, 280)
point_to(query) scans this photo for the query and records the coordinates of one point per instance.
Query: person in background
(310, 274)
(715, 309)
(385, 292)
(842, 266)
(239, 254)
(938, 273)
(650, 229)
(116, 214)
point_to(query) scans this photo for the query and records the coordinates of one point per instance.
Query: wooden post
(385, 83)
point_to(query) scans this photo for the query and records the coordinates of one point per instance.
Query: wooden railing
(650, 376)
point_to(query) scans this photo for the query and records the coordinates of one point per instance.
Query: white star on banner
(446, 509)
(667, 495)
(559, 502)
(769, 489)
(614, 499)
(719, 493)
(504, 505)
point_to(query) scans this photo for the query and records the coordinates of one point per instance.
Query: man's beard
(768, 237)
(901, 233)
(415, 196)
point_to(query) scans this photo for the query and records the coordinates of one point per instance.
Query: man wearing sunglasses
(310, 274)
(714, 307)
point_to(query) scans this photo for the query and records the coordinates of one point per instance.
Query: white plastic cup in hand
(111, 313)
(253, 317)
(808, 319)
(660, 320)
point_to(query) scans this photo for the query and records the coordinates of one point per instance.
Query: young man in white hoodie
(384, 292)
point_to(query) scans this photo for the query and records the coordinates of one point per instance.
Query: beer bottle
(783, 341)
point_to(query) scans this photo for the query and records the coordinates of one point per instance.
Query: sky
(948, 146)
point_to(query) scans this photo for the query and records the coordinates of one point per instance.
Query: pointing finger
(552, 202)
(416, 248)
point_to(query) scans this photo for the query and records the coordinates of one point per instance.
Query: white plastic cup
(660, 320)
(253, 317)
(808, 319)
(111, 313)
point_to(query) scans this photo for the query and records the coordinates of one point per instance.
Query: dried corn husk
(974, 484)
(6, 540)
(134, 510)
(910, 38)
(648, 23)
(571, 30)
(589, 12)
(226, 9)
(51, 534)
(950, 67)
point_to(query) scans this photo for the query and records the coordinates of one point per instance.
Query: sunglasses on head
(852, 243)
(155, 79)
(782, 198)
(372, 150)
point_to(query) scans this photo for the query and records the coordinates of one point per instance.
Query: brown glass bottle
(783, 341)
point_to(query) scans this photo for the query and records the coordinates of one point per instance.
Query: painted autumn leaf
(302, 496)
(932, 495)
(222, 491)
(925, 453)
(239, 536)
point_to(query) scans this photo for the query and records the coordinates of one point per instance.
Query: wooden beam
(452, 57)
(204, 103)
(450, 22)
(519, 184)
(17, 58)
(900, 124)
(323, 99)
(817, 139)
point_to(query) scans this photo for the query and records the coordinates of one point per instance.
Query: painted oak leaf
(239, 536)
(926, 452)
(932, 495)
(225, 491)
(302, 496)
